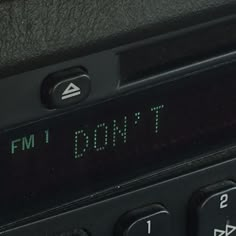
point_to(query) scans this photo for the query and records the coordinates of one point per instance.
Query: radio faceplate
(173, 196)
(118, 70)
(123, 135)
(67, 157)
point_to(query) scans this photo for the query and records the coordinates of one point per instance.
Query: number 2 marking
(224, 201)
(149, 223)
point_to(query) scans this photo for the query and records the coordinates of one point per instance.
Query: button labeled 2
(148, 221)
(213, 211)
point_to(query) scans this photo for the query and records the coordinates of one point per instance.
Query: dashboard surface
(38, 33)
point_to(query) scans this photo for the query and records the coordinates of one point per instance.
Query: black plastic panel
(35, 35)
(38, 33)
(101, 218)
(176, 51)
(76, 154)
(20, 98)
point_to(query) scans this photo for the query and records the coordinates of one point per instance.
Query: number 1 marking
(47, 136)
(149, 223)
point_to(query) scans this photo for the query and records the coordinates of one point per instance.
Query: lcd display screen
(78, 153)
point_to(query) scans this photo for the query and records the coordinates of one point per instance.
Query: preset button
(153, 220)
(213, 211)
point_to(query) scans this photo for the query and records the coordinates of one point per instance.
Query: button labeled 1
(148, 221)
(213, 211)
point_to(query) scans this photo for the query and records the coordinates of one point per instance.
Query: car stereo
(128, 141)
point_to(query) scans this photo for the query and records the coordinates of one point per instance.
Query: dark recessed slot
(173, 52)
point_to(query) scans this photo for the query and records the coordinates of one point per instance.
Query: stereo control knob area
(65, 88)
(213, 211)
(148, 221)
